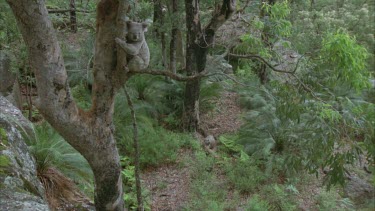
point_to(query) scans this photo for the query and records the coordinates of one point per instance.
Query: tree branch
(262, 60)
(220, 15)
(136, 149)
(169, 74)
(68, 10)
(292, 73)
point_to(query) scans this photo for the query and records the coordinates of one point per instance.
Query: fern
(292, 132)
(52, 151)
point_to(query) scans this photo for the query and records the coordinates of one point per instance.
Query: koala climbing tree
(90, 132)
(135, 46)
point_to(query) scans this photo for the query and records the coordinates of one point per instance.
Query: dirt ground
(169, 184)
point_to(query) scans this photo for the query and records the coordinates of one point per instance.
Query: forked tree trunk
(89, 132)
(198, 42)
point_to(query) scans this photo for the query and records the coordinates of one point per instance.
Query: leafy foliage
(157, 145)
(245, 176)
(130, 186)
(257, 204)
(8, 27)
(278, 198)
(207, 191)
(328, 200)
(347, 58)
(278, 23)
(52, 151)
(282, 124)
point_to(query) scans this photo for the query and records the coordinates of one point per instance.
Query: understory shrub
(244, 176)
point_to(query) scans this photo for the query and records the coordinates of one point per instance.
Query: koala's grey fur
(135, 46)
(210, 142)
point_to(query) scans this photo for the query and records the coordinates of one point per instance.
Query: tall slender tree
(198, 42)
(173, 43)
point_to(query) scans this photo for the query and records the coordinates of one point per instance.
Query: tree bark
(89, 132)
(173, 43)
(159, 22)
(180, 50)
(198, 42)
(73, 17)
(262, 70)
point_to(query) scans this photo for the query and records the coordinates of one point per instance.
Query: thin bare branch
(136, 149)
(292, 73)
(258, 58)
(68, 10)
(169, 74)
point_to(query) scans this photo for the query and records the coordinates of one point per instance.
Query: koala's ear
(128, 24)
(144, 26)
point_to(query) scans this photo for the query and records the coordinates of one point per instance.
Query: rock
(359, 191)
(20, 188)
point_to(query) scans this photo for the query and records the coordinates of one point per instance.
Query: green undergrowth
(50, 150)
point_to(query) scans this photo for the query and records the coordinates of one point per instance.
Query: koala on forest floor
(210, 142)
(135, 46)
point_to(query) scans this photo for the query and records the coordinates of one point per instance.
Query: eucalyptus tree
(90, 132)
(198, 41)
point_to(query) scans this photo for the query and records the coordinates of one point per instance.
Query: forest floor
(169, 184)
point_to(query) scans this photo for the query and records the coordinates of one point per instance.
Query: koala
(210, 142)
(135, 46)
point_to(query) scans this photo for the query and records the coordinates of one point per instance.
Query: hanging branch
(169, 74)
(292, 73)
(136, 149)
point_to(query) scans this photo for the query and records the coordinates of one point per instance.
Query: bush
(329, 200)
(244, 175)
(51, 151)
(278, 198)
(257, 204)
(207, 192)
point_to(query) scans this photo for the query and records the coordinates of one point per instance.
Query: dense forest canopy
(242, 100)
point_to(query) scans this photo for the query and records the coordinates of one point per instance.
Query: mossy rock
(4, 161)
(3, 139)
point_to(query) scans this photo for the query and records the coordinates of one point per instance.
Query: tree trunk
(159, 22)
(89, 132)
(198, 42)
(164, 49)
(262, 70)
(73, 17)
(180, 50)
(173, 43)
